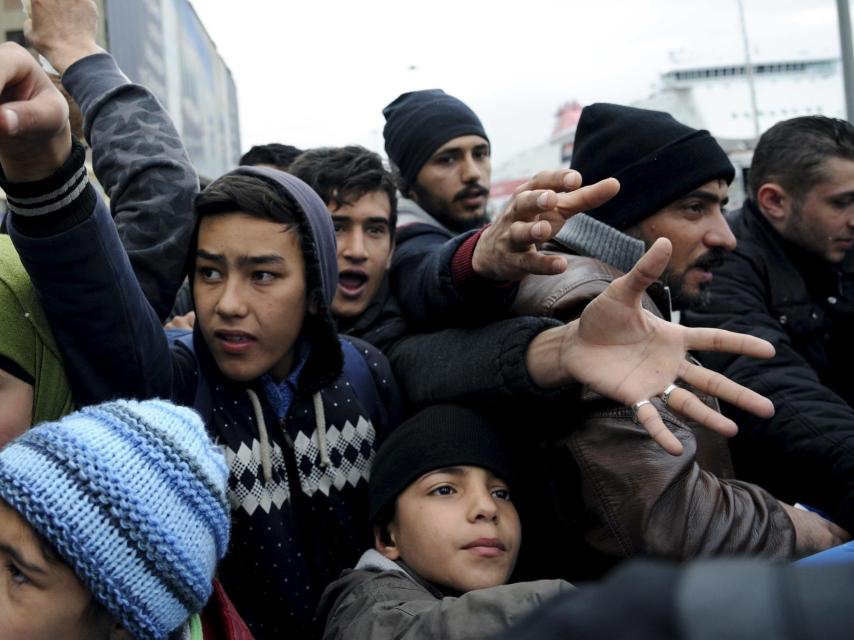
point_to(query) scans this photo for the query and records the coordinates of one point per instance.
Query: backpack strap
(358, 374)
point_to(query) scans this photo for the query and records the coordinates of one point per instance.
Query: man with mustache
(674, 182)
(447, 265)
(791, 282)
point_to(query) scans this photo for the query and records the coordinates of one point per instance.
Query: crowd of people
(324, 396)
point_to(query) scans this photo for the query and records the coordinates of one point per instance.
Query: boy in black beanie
(446, 535)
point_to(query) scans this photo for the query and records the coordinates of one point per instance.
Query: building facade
(716, 98)
(163, 45)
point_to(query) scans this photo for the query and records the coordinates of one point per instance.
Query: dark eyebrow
(377, 220)
(459, 150)
(19, 560)
(842, 195)
(242, 261)
(271, 258)
(706, 196)
(213, 257)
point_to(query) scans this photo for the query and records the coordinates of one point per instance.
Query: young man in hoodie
(361, 198)
(296, 410)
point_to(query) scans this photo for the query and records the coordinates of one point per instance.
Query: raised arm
(137, 154)
(110, 337)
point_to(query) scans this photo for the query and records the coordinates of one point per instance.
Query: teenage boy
(264, 352)
(361, 198)
(446, 538)
(83, 561)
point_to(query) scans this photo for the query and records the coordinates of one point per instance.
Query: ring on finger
(637, 405)
(666, 395)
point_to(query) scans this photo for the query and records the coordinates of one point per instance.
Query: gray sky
(319, 73)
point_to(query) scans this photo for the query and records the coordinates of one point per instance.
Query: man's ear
(774, 202)
(384, 542)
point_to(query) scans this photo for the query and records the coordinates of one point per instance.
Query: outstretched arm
(626, 353)
(441, 280)
(137, 154)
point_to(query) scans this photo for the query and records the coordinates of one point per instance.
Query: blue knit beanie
(419, 122)
(132, 495)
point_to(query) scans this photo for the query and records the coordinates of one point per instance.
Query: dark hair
(342, 175)
(792, 152)
(247, 194)
(278, 155)
(402, 183)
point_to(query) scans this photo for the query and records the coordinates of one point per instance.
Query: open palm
(626, 353)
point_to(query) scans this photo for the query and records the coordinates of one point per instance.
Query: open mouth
(234, 341)
(351, 282)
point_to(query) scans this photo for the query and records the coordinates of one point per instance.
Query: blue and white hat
(132, 495)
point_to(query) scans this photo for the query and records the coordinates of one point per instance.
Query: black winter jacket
(805, 453)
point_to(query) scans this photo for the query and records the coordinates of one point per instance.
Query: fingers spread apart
(723, 388)
(684, 402)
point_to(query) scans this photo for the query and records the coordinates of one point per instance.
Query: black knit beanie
(656, 159)
(419, 122)
(436, 437)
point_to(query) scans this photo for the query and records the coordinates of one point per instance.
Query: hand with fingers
(63, 31)
(507, 250)
(812, 532)
(628, 354)
(35, 135)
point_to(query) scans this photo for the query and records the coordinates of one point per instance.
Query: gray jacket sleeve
(140, 161)
(394, 607)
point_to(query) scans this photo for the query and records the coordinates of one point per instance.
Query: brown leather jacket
(639, 499)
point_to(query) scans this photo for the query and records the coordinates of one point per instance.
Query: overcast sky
(319, 73)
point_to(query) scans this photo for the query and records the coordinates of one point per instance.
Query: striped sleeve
(56, 203)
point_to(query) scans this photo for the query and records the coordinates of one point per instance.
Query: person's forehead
(717, 190)
(838, 176)
(16, 532)
(462, 143)
(374, 204)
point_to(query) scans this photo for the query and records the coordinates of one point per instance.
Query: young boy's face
(457, 528)
(363, 236)
(40, 597)
(250, 294)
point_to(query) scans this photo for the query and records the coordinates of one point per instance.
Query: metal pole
(748, 65)
(847, 53)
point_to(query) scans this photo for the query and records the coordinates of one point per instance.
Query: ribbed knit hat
(419, 122)
(132, 495)
(436, 437)
(656, 159)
